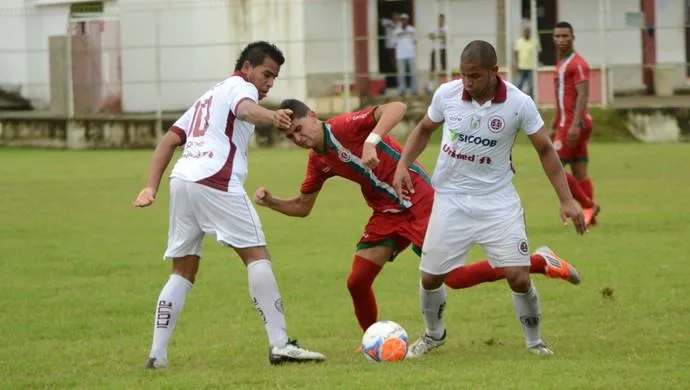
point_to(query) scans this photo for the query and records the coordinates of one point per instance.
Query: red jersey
(344, 137)
(570, 71)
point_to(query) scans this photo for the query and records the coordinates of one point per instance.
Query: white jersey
(475, 156)
(215, 141)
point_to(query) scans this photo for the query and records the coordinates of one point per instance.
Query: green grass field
(81, 270)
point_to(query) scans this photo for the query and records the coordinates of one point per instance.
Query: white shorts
(196, 210)
(495, 221)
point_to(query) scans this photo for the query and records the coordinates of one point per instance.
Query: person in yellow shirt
(525, 61)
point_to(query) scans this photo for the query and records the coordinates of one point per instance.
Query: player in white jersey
(475, 201)
(207, 196)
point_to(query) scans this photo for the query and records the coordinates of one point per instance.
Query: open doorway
(96, 59)
(547, 17)
(388, 12)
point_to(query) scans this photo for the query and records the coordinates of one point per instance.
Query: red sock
(537, 265)
(587, 188)
(473, 274)
(482, 272)
(578, 193)
(359, 283)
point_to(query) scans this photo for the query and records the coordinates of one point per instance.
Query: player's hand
(282, 118)
(369, 155)
(569, 210)
(262, 197)
(403, 183)
(145, 198)
(573, 136)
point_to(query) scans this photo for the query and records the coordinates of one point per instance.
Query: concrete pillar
(360, 37)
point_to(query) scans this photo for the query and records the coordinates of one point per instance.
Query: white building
(161, 54)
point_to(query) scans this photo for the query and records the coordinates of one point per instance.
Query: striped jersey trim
(355, 162)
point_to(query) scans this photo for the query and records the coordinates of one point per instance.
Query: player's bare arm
(386, 116)
(582, 89)
(297, 206)
(415, 145)
(254, 113)
(556, 174)
(161, 158)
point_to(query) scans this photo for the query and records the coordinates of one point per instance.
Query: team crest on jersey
(496, 124)
(344, 155)
(557, 145)
(523, 248)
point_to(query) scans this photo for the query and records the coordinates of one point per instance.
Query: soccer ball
(385, 341)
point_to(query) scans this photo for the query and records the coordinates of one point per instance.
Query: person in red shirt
(572, 123)
(357, 147)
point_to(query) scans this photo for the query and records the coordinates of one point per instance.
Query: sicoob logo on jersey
(496, 124)
(523, 248)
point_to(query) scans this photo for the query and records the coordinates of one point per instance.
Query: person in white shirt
(405, 54)
(389, 27)
(475, 201)
(207, 197)
(437, 34)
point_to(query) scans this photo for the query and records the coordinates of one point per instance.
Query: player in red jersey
(572, 123)
(357, 147)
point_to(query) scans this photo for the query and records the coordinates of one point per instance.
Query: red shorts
(572, 153)
(398, 230)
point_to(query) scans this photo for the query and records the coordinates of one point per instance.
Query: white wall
(12, 44)
(621, 50)
(198, 46)
(42, 22)
(670, 31)
(328, 29)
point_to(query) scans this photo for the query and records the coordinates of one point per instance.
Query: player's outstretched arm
(254, 113)
(556, 174)
(161, 158)
(297, 206)
(387, 116)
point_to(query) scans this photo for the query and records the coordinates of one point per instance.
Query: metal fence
(156, 56)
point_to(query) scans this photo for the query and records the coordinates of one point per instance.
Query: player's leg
(367, 264)
(446, 243)
(184, 249)
(232, 219)
(379, 244)
(568, 156)
(581, 175)
(504, 240)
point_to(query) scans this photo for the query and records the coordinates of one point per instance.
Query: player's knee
(356, 284)
(519, 281)
(432, 282)
(186, 267)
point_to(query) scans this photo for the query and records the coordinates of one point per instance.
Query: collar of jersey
(325, 143)
(240, 74)
(570, 53)
(501, 92)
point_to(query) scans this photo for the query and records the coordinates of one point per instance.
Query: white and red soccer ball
(385, 341)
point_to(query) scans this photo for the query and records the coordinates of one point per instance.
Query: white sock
(170, 303)
(263, 290)
(528, 312)
(432, 303)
